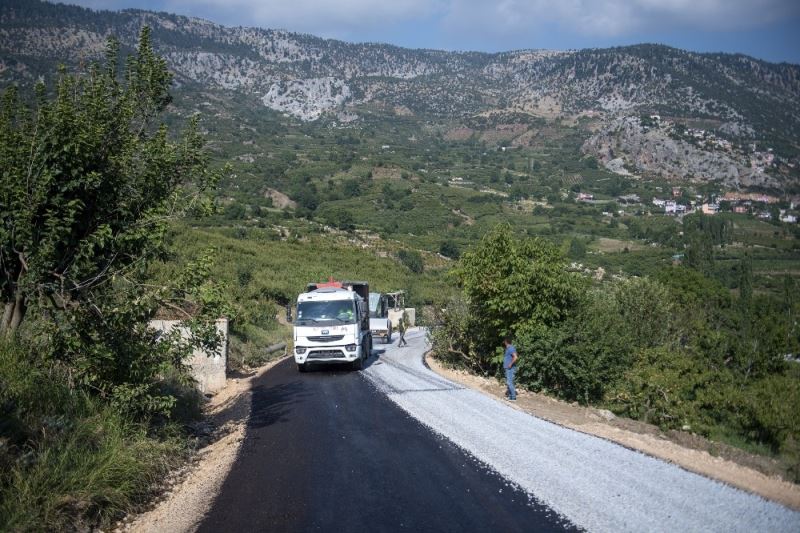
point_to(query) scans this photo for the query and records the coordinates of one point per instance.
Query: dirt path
(748, 472)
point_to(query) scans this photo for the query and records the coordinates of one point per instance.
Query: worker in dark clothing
(401, 326)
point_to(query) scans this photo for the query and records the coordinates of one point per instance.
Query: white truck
(332, 324)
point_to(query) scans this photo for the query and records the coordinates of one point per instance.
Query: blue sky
(766, 29)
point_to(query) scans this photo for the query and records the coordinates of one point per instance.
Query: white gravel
(595, 484)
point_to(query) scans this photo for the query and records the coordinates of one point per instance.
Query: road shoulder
(190, 492)
(638, 436)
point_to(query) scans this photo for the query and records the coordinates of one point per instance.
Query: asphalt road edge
(183, 505)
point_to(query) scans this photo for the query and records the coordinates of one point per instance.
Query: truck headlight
(300, 350)
(351, 347)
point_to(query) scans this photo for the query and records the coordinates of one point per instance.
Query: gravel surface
(595, 484)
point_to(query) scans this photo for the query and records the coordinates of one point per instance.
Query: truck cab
(332, 325)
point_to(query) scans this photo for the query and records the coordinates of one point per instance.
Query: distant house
(658, 202)
(676, 192)
(710, 209)
(741, 209)
(680, 208)
(765, 215)
(584, 196)
(670, 207)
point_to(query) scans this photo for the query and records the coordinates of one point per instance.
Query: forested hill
(744, 98)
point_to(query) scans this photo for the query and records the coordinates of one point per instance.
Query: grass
(68, 460)
(259, 272)
(607, 245)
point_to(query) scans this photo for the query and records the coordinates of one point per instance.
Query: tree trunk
(19, 314)
(8, 311)
(13, 314)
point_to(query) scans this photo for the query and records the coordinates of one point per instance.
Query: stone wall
(396, 314)
(208, 369)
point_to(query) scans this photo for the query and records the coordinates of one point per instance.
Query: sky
(766, 29)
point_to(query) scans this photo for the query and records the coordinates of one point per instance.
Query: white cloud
(484, 19)
(333, 17)
(615, 17)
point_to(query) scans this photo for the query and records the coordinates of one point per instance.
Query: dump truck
(332, 324)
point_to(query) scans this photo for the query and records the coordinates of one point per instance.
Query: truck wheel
(388, 338)
(302, 367)
(358, 364)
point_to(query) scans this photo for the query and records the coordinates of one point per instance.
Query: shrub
(663, 387)
(449, 249)
(579, 357)
(69, 460)
(412, 260)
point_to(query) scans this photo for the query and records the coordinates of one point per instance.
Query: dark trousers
(402, 341)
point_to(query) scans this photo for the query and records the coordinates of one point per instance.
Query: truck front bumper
(326, 354)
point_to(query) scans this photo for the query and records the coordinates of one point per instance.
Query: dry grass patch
(607, 245)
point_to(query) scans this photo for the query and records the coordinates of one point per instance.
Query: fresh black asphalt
(326, 451)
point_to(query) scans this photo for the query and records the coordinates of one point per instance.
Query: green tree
(700, 253)
(746, 283)
(89, 181)
(449, 249)
(351, 188)
(577, 248)
(510, 284)
(580, 357)
(235, 211)
(412, 260)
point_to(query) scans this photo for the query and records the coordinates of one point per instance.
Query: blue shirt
(509, 355)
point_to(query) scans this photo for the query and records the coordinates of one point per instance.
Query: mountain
(736, 98)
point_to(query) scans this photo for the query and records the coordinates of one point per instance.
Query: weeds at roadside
(69, 460)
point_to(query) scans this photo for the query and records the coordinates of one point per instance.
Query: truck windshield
(338, 312)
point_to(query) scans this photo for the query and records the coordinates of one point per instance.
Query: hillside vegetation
(531, 201)
(92, 401)
(309, 77)
(673, 349)
(259, 271)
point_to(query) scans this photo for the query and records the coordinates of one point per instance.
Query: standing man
(402, 327)
(510, 367)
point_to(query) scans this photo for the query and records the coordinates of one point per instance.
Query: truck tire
(302, 367)
(388, 338)
(358, 364)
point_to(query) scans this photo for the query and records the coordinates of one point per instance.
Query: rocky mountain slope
(664, 148)
(308, 77)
